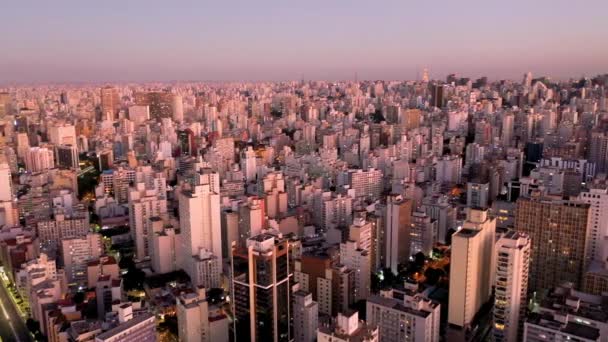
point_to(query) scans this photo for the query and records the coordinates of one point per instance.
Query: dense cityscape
(426, 210)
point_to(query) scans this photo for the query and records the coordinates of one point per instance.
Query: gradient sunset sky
(133, 40)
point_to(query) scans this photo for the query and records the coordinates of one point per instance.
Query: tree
(419, 259)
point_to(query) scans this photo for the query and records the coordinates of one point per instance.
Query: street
(12, 327)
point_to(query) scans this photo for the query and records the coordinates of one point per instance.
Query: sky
(149, 40)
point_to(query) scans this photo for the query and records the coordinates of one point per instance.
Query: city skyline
(266, 41)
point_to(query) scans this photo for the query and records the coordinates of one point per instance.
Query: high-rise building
(471, 273)
(440, 209)
(62, 134)
(437, 94)
(160, 103)
(597, 198)
(478, 194)
(598, 151)
(178, 108)
(251, 219)
(367, 184)
(511, 285)
(76, 252)
(39, 159)
(139, 114)
(305, 317)
(565, 314)
(144, 204)
(397, 232)
(248, 164)
(507, 129)
(335, 290)
(347, 327)
(187, 147)
(359, 260)
(52, 232)
(449, 169)
(423, 233)
(197, 321)
(200, 223)
(558, 230)
(67, 156)
(140, 328)
(110, 103)
(5, 104)
(261, 287)
(6, 183)
(404, 316)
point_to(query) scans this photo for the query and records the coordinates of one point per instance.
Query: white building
(565, 314)
(404, 316)
(140, 328)
(305, 317)
(76, 253)
(448, 170)
(423, 233)
(397, 232)
(471, 267)
(598, 223)
(511, 285)
(197, 321)
(6, 184)
(478, 194)
(200, 223)
(39, 159)
(347, 327)
(249, 164)
(144, 204)
(359, 261)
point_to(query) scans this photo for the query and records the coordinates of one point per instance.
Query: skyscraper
(404, 316)
(261, 288)
(558, 229)
(110, 103)
(397, 232)
(200, 223)
(598, 151)
(144, 204)
(471, 274)
(160, 102)
(511, 285)
(198, 321)
(597, 198)
(305, 317)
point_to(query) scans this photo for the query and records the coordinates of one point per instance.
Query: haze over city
(46, 41)
(304, 171)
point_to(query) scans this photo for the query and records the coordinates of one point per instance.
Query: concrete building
(144, 204)
(76, 253)
(403, 316)
(140, 328)
(335, 290)
(305, 317)
(39, 159)
(559, 233)
(511, 285)
(423, 233)
(478, 194)
(597, 198)
(471, 271)
(568, 315)
(198, 321)
(359, 260)
(262, 289)
(347, 327)
(397, 232)
(200, 223)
